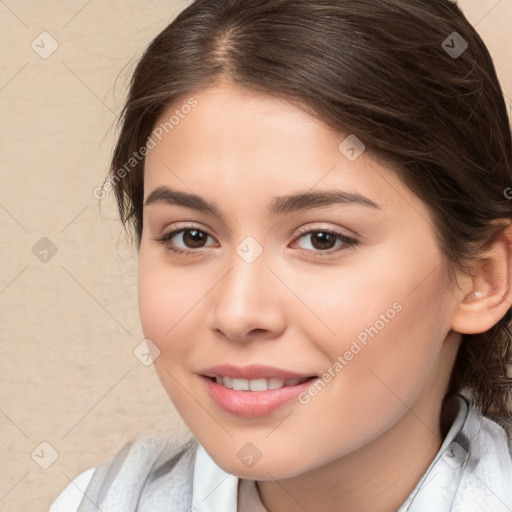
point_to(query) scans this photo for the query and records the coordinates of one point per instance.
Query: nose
(247, 303)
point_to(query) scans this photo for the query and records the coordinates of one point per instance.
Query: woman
(318, 195)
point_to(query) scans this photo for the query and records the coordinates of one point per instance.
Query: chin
(263, 469)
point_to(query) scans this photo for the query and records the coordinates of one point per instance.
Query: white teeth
(256, 384)
(240, 384)
(275, 383)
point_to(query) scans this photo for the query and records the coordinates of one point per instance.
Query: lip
(251, 404)
(252, 371)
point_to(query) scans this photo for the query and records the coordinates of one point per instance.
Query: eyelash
(347, 241)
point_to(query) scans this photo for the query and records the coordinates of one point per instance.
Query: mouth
(252, 398)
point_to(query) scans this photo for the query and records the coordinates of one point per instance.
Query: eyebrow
(279, 205)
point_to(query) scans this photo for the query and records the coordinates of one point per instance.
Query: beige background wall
(69, 320)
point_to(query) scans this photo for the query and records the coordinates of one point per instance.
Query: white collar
(213, 490)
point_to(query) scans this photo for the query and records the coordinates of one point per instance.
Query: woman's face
(345, 290)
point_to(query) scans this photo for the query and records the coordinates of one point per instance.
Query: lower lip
(251, 404)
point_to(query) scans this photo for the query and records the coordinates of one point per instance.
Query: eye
(323, 241)
(191, 237)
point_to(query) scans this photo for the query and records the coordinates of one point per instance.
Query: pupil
(193, 238)
(325, 240)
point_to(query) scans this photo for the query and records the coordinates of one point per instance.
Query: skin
(365, 440)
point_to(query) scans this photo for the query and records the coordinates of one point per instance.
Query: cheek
(381, 326)
(167, 300)
(374, 292)
(377, 372)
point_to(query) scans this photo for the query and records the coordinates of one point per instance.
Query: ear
(487, 295)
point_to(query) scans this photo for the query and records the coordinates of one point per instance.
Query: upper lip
(252, 371)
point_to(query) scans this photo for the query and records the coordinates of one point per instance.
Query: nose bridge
(247, 298)
(246, 281)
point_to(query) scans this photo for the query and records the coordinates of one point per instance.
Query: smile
(253, 398)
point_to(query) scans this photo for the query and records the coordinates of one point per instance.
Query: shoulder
(487, 475)
(501, 429)
(143, 466)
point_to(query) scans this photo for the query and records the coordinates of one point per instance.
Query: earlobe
(490, 290)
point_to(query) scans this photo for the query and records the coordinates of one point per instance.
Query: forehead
(227, 117)
(251, 144)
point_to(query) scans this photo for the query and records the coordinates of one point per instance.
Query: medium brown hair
(379, 70)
